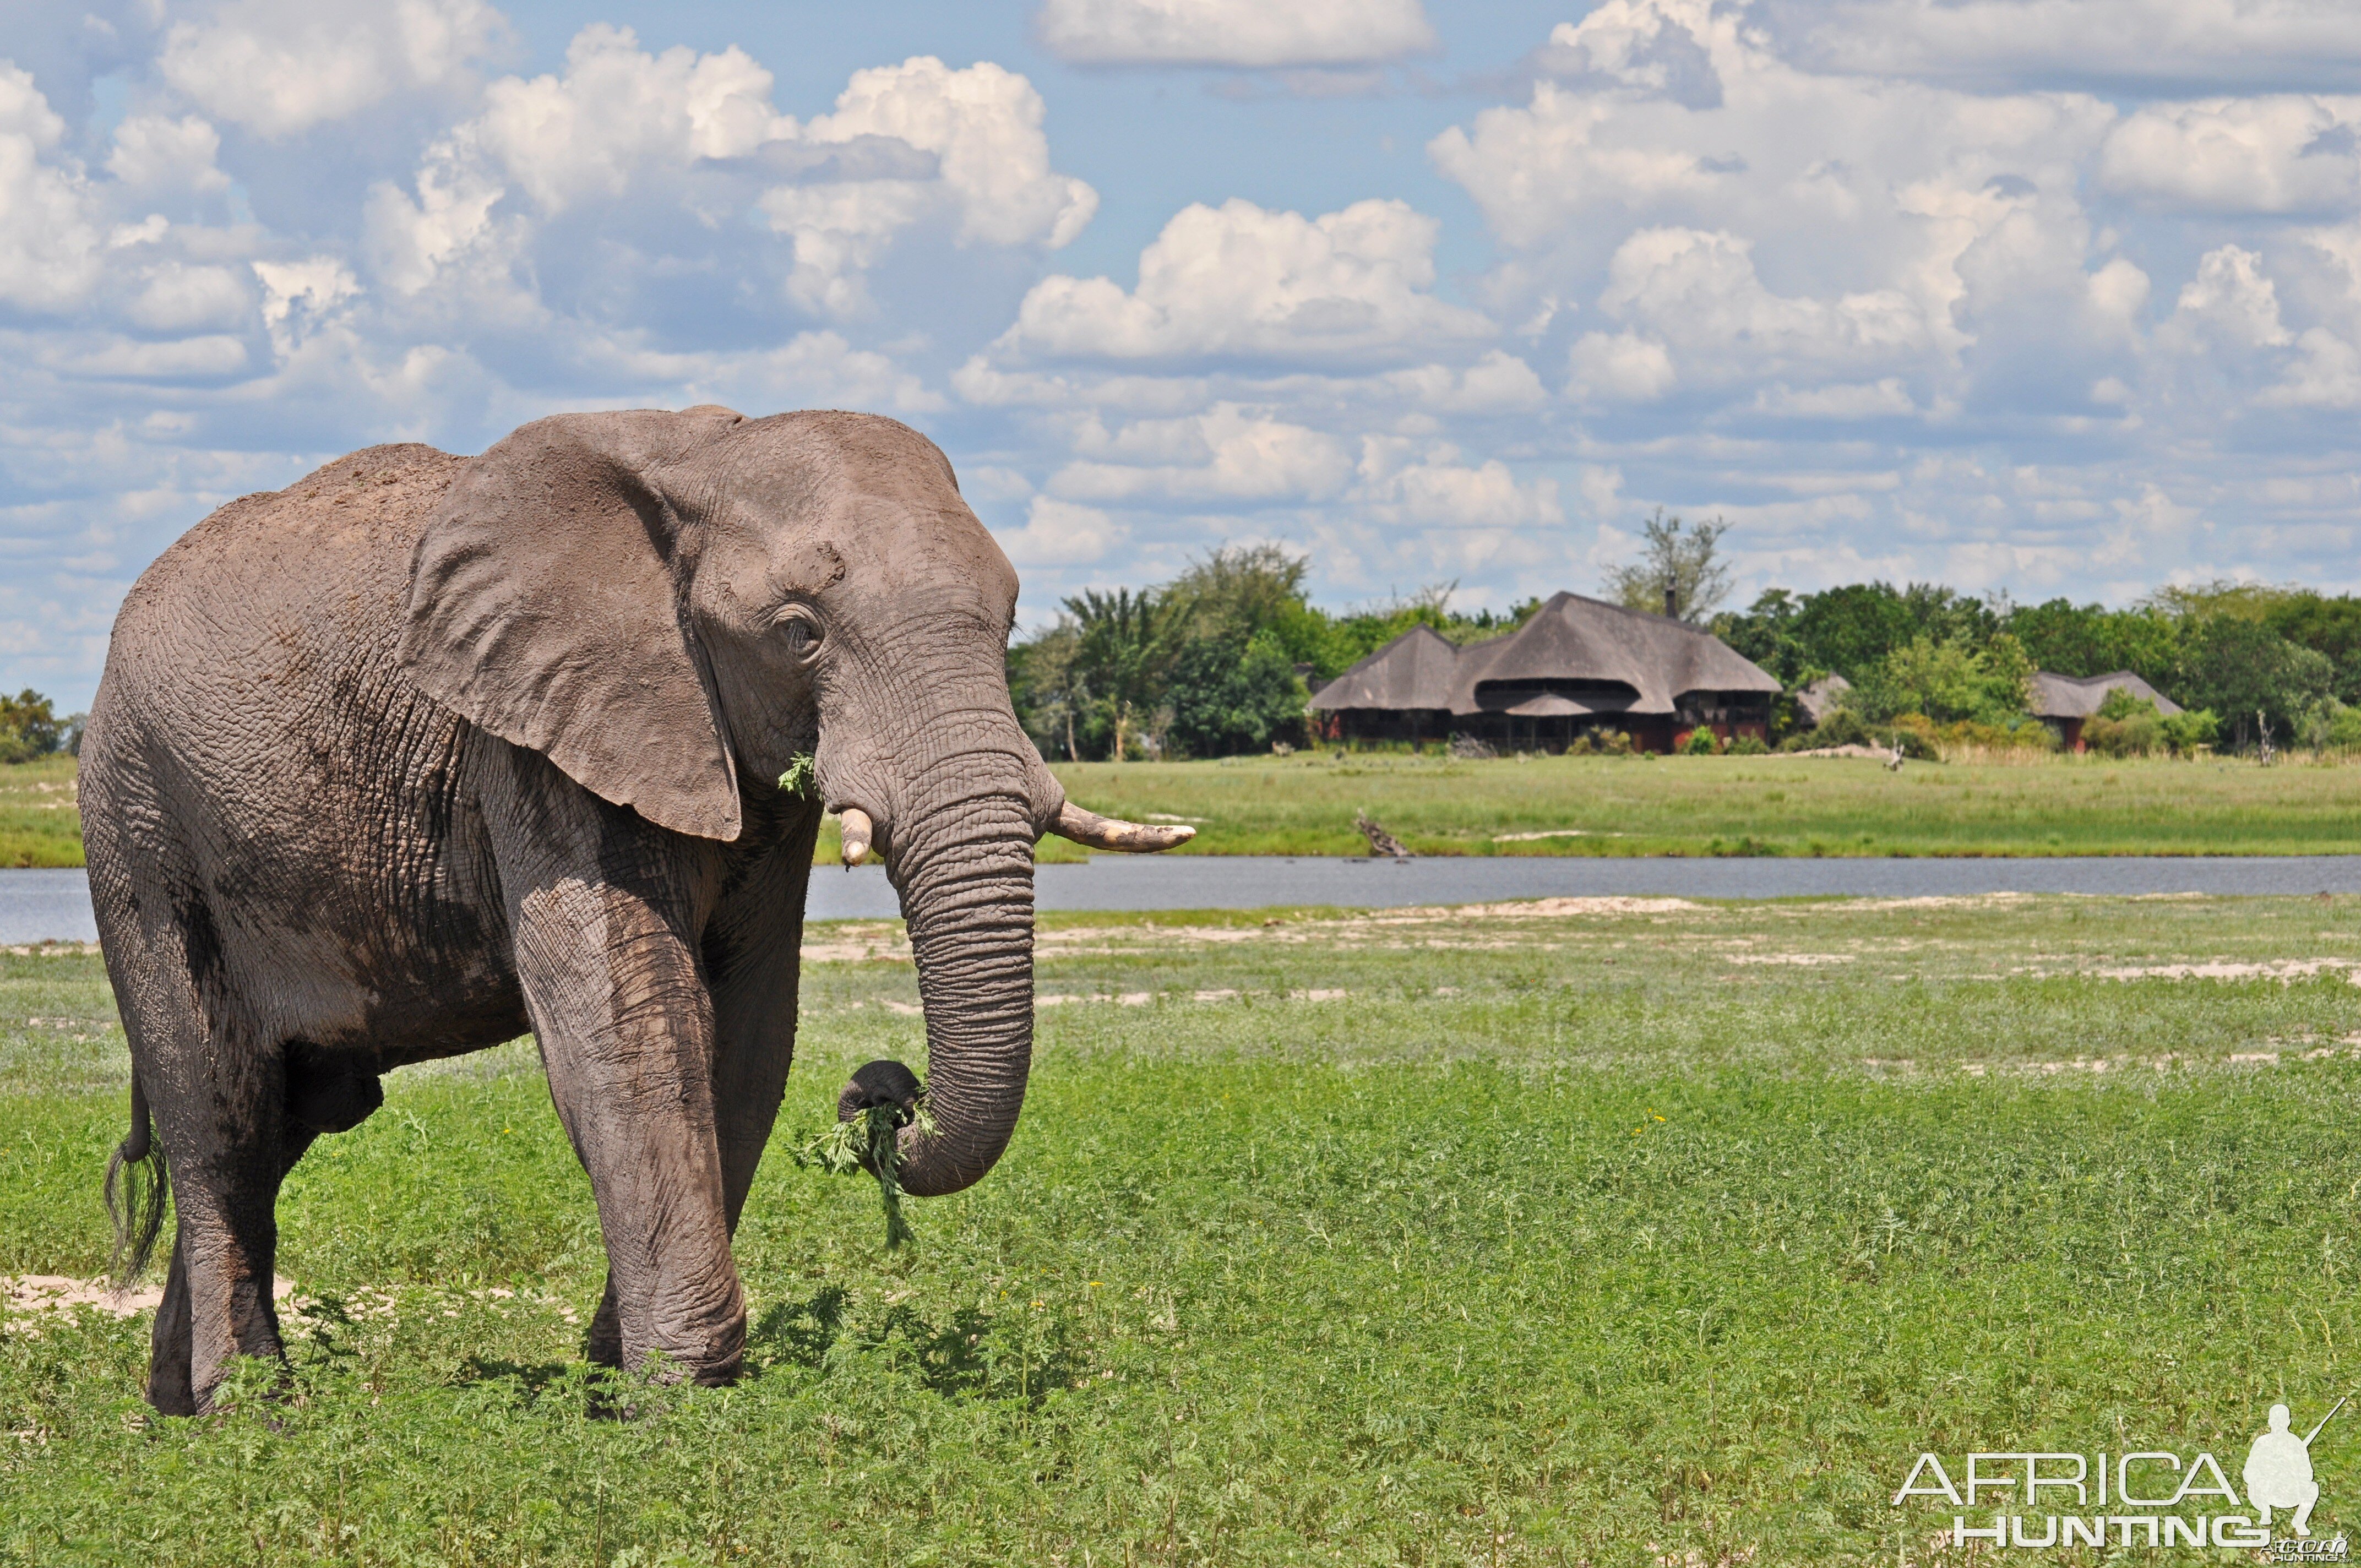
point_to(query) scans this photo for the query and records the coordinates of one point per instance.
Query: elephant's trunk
(965, 875)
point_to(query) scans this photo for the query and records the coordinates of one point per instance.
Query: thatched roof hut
(2066, 702)
(1578, 664)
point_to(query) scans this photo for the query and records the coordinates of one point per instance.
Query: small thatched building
(1579, 664)
(2066, 702)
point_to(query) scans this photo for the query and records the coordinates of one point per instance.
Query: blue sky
(2042, 296)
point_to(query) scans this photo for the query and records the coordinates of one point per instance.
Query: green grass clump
(1637, 1231)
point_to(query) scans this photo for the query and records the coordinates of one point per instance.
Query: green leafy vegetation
(869, 1143)
(1634, 1232)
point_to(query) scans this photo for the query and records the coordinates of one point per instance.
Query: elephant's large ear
(547, 606)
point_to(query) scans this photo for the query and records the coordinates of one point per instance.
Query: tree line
(1217, 661)
(2283, 659)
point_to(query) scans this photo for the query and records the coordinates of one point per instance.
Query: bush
(1842, 728)
(1701, 743)
(2186, 733)
(1581, 746)
(1948, 680)
(2136, 735)
(2332, 727)
(1748, 746)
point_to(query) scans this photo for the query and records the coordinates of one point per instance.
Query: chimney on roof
(1671, 603)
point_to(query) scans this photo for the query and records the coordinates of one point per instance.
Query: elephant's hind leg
(217, 1093)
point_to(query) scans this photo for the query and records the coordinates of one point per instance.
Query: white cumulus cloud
(1226, 454)
(2276, 154)
(49, 253)
(1232, 32)
(1060, 534)
(619, 114)
(1242, 280)
(283, 66)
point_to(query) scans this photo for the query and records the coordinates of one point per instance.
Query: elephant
(424, 753)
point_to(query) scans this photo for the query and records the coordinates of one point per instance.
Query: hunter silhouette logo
(2279, 1471)
(2150, 1497)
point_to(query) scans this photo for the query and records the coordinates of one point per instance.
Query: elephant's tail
(137, 1181)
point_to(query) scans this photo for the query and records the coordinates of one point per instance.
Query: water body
(38, 905)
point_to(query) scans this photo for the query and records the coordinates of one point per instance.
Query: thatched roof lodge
(2066, 701)
(1578, 665)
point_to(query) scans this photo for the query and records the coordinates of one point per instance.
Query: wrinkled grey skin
(425, 752)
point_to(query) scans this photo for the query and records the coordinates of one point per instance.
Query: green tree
(1689, 565)
(1230, 696)
(1947, 682)
(30, 726)
(2089, 640)
(1764, 632)
(1121, 653)
(1046, 684)
(2241, 669)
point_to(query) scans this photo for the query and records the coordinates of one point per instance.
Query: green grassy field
(1606, 1231)
(1740, 806)
(39, 823)
(1598, 805)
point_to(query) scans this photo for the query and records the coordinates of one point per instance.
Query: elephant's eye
(801, 630)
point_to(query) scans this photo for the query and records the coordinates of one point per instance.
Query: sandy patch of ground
(2284, 971)
(63, 1293)
(1553, 833)
(1799, 960)
(54, 950)
(1556, 909)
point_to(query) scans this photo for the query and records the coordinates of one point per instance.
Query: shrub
(1582, 746)
(1748, 746)
(2332, 727)
(1842, 728)
(2122, 704)
(1701, 743)
(2136, 735)
(1950, 680)
(2187, 732)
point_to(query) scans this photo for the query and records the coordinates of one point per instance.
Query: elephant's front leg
(625, 1031)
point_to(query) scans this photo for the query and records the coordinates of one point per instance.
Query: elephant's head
(672, 606)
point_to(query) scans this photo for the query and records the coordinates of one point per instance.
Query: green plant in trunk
(869, 1140)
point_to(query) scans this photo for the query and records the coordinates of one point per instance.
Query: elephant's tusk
(857, 834)
(1089, 828)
